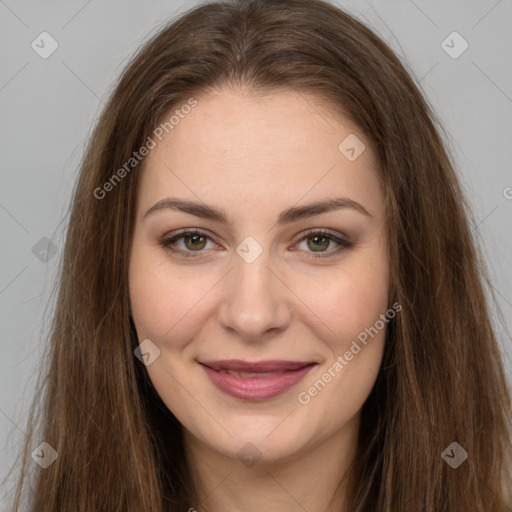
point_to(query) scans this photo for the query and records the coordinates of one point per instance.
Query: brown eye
(318, 242)
(194, 242)
(187, 243)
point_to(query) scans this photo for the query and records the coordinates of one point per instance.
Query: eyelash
(343, 244)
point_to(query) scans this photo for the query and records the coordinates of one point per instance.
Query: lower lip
(256, 388)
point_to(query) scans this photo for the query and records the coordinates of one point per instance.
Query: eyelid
(188, 231)
(324, 231)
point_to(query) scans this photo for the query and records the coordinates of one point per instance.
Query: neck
(315, 479)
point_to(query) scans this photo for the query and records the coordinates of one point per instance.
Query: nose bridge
(255, 300)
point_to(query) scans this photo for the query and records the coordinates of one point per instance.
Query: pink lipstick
(257, 380)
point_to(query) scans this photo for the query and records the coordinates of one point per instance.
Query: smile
(255, 381)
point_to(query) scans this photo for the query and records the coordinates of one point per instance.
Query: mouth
(255, 380)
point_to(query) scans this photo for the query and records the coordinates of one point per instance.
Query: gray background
(48, 107)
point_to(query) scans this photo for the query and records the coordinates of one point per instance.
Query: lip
(287, 374)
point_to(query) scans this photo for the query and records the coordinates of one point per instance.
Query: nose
(255, 301)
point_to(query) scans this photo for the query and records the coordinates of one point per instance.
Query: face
(255, 303)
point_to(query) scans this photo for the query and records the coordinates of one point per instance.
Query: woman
(270, 296)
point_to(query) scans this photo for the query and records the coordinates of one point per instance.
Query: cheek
(349, 301)
(353, 307)
(167, 301)
(354, 346)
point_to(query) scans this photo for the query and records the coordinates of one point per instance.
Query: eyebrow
(288, 216)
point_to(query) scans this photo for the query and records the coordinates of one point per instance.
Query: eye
(194, 241)
(319, 240)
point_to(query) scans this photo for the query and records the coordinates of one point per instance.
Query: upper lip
(238, 365)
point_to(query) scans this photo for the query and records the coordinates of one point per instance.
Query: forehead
(279, 147)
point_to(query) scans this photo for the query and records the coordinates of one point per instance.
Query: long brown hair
(442, 378)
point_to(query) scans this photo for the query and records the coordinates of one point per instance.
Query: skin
(254, 157)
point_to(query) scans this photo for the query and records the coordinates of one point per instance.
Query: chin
(259, 439)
